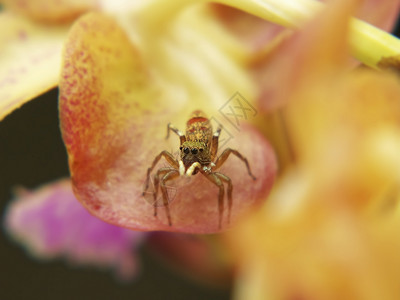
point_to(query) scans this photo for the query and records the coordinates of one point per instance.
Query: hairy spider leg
(160, 172)
(217, 181)
(169, 176)
(170, 159)
(214, 143)
(230, 188)
(224, 156)
(182, 137)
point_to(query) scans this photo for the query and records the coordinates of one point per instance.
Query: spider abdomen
(199, 129)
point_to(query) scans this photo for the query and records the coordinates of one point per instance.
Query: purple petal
(51, 223)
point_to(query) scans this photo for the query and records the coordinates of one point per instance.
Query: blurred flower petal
(295, 65)
(332, 222)
(115, 103)
(255, 32)
(31, 49)
(330, 228)
(306, 248)
(50, 11)
(51, 223)
(367, 43)
(380, 13)
(30, 60)
(119, 6)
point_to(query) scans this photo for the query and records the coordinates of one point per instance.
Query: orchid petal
(50, 11)
(333, 218)
(30, 60)
(253, 31)
(114, 108)
(382, 14)
(302, 247)
(318, 48)
(330, 228)
(258, 32)
(51, 223)
(367, 43)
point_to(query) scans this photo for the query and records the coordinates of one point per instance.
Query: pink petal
(251, 30)
(51, 223)
(114, 114)
(319, 47)
(381, 13)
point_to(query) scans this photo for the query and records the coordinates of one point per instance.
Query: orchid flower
(330, 229)
(134, 76)
(126, 74)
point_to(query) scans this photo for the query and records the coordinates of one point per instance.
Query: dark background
(31, 154)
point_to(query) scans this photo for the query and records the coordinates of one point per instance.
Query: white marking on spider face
(191, 169)
(181, 168)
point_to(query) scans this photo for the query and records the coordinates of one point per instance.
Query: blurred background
(32, 154)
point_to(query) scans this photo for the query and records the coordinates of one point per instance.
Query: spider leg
(160, 172)
(170, 159)
(224, 156)
(230, 188)
(182, 137)
(169, 176)
(214, 143)
(216, 180)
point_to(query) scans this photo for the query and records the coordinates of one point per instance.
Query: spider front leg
(182, 137)
(169, 176)
(224, 156)
(217, 181)
(214, 143)
(230, 188)
(169, 158)
(160, 172)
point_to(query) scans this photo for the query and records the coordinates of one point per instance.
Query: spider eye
(180, 148)
(201, 149)
(194, 151)
(186, 150)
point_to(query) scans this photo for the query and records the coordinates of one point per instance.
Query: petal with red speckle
(115, 105)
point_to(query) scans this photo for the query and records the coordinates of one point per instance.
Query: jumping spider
(198, 150)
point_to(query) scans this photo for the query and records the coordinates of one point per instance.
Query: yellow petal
(30, 60)
(367, 43)
(50, 11)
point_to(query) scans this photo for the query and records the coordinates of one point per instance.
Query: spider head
(192, 152)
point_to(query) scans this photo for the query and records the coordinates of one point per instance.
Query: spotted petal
(116, 100)
(29, 60)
